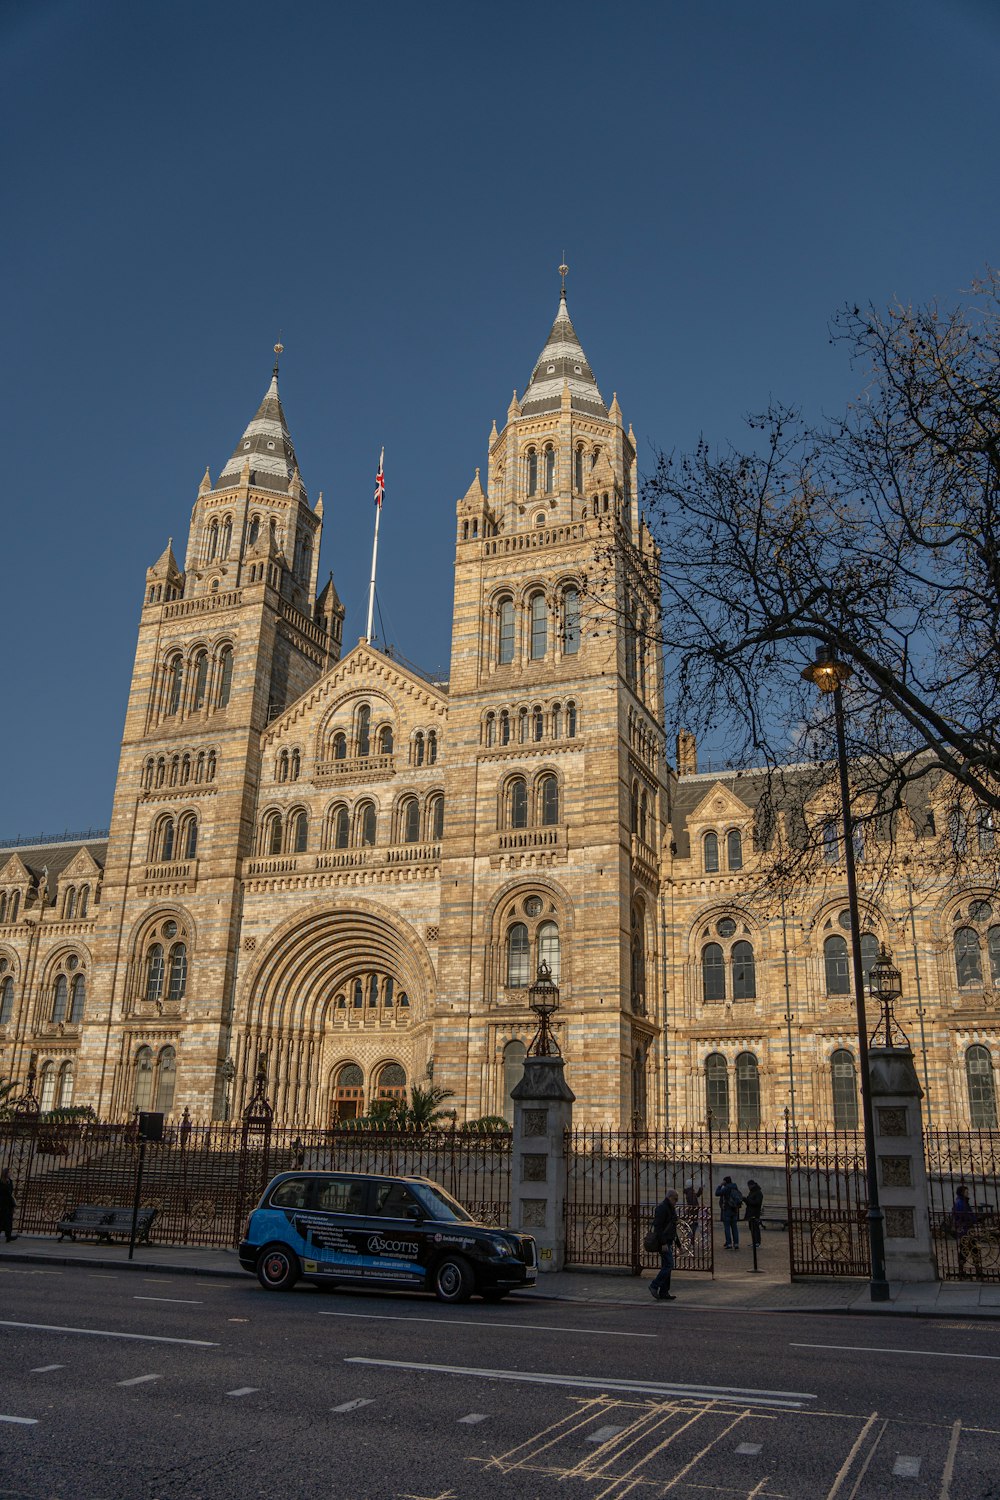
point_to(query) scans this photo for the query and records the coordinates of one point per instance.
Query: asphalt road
(119, 1386)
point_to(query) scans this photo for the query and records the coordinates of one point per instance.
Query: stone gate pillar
(543, 1112)
(902, 1169)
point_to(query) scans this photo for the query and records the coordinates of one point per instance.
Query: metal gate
(827, 1203)
(966, 1240)
(615, 1179)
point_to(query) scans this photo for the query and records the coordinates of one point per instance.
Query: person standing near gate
(8, 1203)
(730, 1202)
(665, 1228)
(755, 1207)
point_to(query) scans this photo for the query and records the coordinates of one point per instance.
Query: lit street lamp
(543, 998)
(829, 675)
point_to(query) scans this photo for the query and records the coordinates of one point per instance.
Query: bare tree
(877, 535)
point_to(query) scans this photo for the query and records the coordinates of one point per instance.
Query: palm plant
(425, 1105)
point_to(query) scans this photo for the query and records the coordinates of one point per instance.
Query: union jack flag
(380, 481)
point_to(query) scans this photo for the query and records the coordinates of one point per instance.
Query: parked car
(345, 1228)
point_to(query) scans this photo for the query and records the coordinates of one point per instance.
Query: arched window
(639, 1087)
(717, 1090)
(517, 956)
(348, 1091)
(870, 949)
(84, 901)
(637, 954)
(713, 972)
(993, 946)
(225, 675)
(537, 724)
(7, 1000)
(47, 1089)
(549, 948)
(744, 973)
(175, 765)
(432, 747)
(409, 821)
(517, 802)
(161, 771)
(78, 999)
(274, 832)
(504, 727)
(3, 906)
(505, 640)
(213, 540)
(366, 824)
(166, 1078)
(64, 1090)
(254, 531)
(178, 972)
(295, 766)
(958, 830)
(385, 740)
(418, 748)
(571, 622)
(283, 766)
(391, 1082)
(571, 721)
(341, 828)
(831, 843)
(189, 842)
(14, 906)
(986, 830)
(982, 1092)
(747, 1092)
(578, 470)
(522, 726)
(490, 730)
(154, 972)
(358, 995)
(60, 997)
(539, 614)
(532, 471)
(513, 1071)
(143, 1092)
(167, 837)
(372, 991)
(227, 536)
(200, 680)
(734, 849)
(436, 817)
(550, 470)
(211, 766)
(844, 1082)
(300, 832)
(968, 958)
(710, 845)
(69, 905)
(549, 800)
(185, 770)
(836, 965)
(362, 730)
(556, 721)
(175, 683)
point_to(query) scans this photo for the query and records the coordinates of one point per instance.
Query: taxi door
(398, 1245)
(333, 1229)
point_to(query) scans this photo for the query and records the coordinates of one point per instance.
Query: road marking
(603, 1433)
(353, 1405)
(41, 1369)
(848, 1461)
(21, 1421)
(139, 1380)
(610, 1333)
(107, 1333)
(187, 1301)
(949, 1463)
(786, 1400)
(244, 1390)
(750, 1450)
(157, 1280)
(875, 1349)
(907, 1466)
(474, 1417)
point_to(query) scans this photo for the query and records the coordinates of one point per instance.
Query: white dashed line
(244, 1390)
(474, 1417)
(353, 1405)
(749, 1450)
(107, 1333)
(21, 1421)
(42, 1369)
(907, 1466)
(187, 1301)
(139, 1380)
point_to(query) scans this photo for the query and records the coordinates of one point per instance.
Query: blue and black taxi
(345, 1228)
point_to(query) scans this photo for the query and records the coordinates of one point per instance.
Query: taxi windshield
(439, 1204)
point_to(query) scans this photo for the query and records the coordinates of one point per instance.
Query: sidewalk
(734, 1286)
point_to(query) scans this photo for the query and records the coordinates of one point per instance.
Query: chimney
(687, 754)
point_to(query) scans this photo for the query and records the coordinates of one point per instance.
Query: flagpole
(371, 588)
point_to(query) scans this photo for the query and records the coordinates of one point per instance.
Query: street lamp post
(543, 998)
(829, 675)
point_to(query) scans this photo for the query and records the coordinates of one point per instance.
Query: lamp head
(826, 672)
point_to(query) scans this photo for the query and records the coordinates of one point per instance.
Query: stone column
(543, 1111)
(902, 1170)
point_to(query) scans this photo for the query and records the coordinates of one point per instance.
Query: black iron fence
(615, 1179)
(963, 1185)
(827, 1203)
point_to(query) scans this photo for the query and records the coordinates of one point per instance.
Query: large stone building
(327, 860)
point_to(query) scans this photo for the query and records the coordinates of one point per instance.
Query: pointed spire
(165, 565)
(493, 432)
(562, 359)
(266, 445)
(615, 412)
(474, 494)
(318, 507)
(514, 409)
(206, 483)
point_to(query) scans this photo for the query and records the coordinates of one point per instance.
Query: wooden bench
(105, 1222)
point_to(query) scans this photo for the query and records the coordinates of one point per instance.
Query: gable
(719, 805)
(361, 672)
(15, 871)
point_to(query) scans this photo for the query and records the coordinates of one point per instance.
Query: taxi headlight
(499, 1246)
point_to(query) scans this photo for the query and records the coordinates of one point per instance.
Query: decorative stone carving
(899, 1224)
(891, 1120)
(895, 1171)
(536, 1122)
(533, 1213)
(534, 1166)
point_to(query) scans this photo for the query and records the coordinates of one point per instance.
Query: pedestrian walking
(665, 1228)
(963, 1219)
(730, 1202)
(8, 1203)
(755, 1207)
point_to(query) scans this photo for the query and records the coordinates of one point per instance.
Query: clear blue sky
(392, 186)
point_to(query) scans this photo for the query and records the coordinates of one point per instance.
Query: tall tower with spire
(556, 780)
(226, 642)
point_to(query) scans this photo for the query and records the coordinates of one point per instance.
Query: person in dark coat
(8, 1204)
(755, 1207)
(665, 1227)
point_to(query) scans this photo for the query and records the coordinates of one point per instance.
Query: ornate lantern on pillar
(543, 997)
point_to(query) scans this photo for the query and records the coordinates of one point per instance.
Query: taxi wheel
(453, 1279)
(277, 1268)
